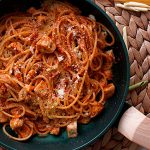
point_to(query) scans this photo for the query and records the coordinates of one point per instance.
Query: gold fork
(139, 1)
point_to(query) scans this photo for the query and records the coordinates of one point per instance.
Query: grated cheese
(78, 77)
(92, 17)
(31, 49)
(17, 71)
(86, 113)
(51, 68)
(28, 38)
(61, 93)
(10, 71)
(60, 58)
(76, 49)
(74, 33)
(69, 29)
(78, 53)
(48, 126)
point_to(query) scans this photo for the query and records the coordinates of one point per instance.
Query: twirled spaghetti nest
(54, 69)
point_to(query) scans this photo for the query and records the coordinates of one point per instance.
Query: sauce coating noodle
(54, 70)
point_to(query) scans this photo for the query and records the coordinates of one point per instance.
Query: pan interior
(99, 125)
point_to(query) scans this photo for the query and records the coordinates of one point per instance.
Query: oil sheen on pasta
(54, 70)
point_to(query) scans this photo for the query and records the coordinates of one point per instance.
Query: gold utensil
(139, 1)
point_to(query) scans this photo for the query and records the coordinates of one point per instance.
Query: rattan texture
(137, 25)
(138, 38)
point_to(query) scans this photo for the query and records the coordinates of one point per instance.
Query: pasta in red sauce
(53, 66)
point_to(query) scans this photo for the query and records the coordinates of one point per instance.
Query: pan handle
(136, 127)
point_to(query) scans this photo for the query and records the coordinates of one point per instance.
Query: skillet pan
(99, 125)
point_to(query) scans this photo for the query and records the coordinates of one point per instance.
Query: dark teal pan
(98, 126)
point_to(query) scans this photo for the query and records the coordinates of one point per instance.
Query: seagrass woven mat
(138, 38)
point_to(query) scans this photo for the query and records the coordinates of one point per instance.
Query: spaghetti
(54, 70)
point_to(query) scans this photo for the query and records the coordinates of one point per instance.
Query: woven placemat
(138, 38)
